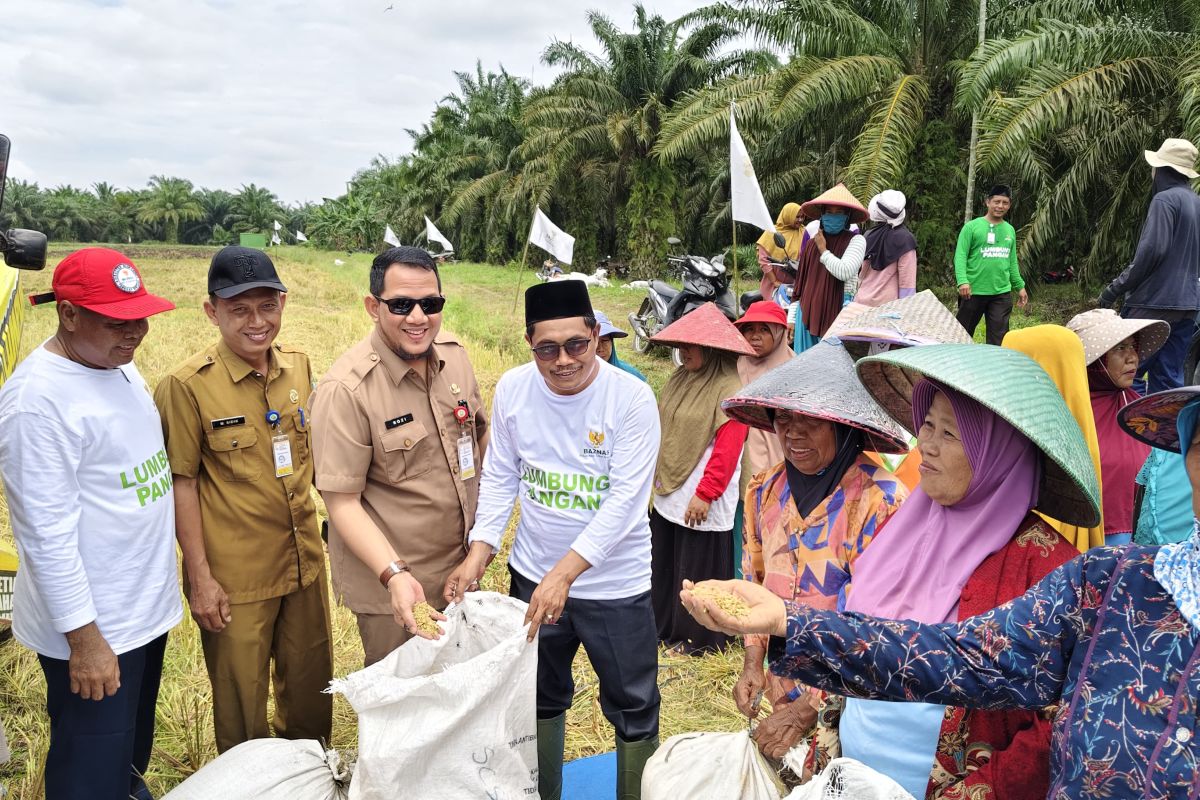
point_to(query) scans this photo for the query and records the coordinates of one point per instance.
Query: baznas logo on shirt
(595, 440)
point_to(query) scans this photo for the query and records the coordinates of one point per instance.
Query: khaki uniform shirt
(379, 431)
(260, 532)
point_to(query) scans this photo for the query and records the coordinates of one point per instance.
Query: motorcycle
(703, 279)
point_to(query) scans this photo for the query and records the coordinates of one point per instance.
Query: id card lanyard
(281, 446)
(466, 447)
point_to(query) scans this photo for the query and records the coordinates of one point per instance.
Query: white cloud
(292, 94)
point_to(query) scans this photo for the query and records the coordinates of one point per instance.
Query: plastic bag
(269, 769)
(451, 718)
(712, 766)
(848, 779)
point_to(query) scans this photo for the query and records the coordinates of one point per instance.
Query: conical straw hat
(908, 322)
(1151, 419)
(837, 196)
(1013, 386)
(707, 327)
(1102, 329)
(821, 383)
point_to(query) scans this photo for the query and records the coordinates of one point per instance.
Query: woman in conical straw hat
(697, 478)
(1111, 639)
(990, 423)
(822, 485)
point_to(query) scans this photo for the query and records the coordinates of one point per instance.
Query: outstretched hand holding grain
(736, 608)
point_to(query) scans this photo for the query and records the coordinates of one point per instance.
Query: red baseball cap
(104, 281)
(763, 311)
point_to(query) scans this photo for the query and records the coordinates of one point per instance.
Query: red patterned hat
(706, 327)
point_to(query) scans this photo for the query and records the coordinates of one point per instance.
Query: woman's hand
(696, 512)
(767, 612)
(785, 727)
(747, 692)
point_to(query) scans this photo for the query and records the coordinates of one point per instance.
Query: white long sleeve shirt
(582, 467)
(89, 493)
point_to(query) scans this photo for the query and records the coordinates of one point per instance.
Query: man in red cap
(89, 494)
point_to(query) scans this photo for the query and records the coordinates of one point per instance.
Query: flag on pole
(275, 239)
(434, 235)
(744, 194)
(300, 237)
(278, 226)
(548, 236)
(389, 237)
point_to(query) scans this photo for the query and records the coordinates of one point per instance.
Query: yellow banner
(10, 322)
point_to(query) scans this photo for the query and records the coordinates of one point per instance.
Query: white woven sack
(848, 779)
(269, 769)
(451, 718)
(710, 766)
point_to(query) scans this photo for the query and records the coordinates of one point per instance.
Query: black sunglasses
(403, 306)
(549, 352)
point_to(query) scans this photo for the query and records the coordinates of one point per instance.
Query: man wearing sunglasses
(398, 435)
(576, 440)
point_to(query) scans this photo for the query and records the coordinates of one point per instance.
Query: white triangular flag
(548, 236)
(275, 239)
(300, 237)
(389, 237)
(434, 235)
(278, 226)
(744, 194)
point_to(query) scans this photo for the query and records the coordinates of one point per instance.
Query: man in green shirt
(985, 269)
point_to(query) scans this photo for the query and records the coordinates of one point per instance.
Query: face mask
(833, 224)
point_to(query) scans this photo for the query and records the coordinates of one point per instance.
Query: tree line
(629, 143)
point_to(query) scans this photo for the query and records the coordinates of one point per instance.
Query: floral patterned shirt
(1099, 636)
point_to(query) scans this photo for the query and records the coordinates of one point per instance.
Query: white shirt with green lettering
(89, 495)
(581, 467)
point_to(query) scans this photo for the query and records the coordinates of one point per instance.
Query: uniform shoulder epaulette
(195, 364)
(354, 365)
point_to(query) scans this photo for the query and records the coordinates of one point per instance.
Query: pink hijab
(917, 566)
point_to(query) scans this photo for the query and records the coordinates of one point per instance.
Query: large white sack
(848, 779)
(710, 766)
(269, 769)
(451, 718)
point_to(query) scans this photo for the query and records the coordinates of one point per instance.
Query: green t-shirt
(986, 257)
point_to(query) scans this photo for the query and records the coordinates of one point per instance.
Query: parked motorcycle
(704, 280)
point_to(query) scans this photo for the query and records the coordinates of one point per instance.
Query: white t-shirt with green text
(89, 495)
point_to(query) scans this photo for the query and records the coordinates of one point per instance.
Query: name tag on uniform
(398, 421)
(281, 447)
(991, 237)
(226, 422)
(466, 457)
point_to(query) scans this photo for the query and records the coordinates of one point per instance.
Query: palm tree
(254, 208)
(69, 214)
(22, 205)
(218, 210)
(170, 201)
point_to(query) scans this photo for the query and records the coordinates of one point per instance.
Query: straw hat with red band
(706, 327)
(837, 196)
(765, 311)
(103, 281)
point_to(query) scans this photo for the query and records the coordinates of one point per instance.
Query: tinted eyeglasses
(549, 352)
(403, 306)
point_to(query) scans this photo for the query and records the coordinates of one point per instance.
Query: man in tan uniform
(398, 436)
(237, 439)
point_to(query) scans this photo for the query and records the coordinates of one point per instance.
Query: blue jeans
(99, 749)
(1164, 369)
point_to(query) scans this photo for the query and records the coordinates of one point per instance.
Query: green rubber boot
(631, 760)
(551, 736)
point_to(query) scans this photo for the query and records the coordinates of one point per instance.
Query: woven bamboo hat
(1152, 418)
(707, 327)
(837, 196)
(908, 322)
(1102, 329)
(1013, 386)
(821, 383)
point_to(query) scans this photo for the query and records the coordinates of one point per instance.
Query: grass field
(324, 316)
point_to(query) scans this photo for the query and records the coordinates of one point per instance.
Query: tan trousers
(380, 634)
(295, 631)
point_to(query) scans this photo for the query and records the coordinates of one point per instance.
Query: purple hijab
(917, 566)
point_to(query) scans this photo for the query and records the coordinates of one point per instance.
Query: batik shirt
(1099, 636)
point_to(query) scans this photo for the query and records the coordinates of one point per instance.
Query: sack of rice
(269, 769)
(712, 766)
(451, 717)
(847, 779)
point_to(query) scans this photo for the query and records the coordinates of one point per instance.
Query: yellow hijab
(791, 226)
(1051, 347)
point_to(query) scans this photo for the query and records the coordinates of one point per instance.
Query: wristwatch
(392, 570)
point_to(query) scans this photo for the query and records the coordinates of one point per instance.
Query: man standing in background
(985, 269)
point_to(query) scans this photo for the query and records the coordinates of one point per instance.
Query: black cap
(239, 269)
(557, 300)
(999, 190)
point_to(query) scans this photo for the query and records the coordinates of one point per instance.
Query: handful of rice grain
(423, 612)
(730, 603)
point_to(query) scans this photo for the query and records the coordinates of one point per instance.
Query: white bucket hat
(1102, 329)
(1178, 154)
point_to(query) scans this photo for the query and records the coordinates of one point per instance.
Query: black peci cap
(239, 269)
(557, 300)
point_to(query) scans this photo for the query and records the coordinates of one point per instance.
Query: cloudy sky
(292, 95)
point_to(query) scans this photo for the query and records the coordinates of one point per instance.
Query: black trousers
(99, 749)
(681, 553)
(618, 637)
(994, 308)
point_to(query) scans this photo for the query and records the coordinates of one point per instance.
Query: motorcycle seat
(663, 288)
